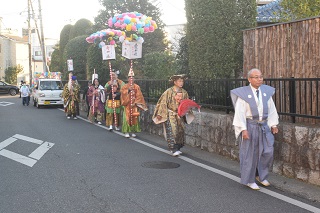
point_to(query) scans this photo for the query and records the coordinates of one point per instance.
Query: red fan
(185, 106)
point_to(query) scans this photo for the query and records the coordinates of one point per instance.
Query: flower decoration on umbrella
(134, 24)
(105, 36)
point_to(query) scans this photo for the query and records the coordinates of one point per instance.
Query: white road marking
(7, 142)
(220, 172)
(41, 150)
(17, 157)
(3, 103)
(235, 178)
(33, 157)
(25, 138)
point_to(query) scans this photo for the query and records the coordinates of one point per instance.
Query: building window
(37, 53)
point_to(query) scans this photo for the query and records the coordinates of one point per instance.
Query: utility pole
(29, 43)
(43, 49)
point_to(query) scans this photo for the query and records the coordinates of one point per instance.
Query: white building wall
(22, 58)
(6, 59)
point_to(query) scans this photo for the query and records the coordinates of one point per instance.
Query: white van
(47, 92)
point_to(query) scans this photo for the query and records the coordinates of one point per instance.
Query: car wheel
(12, 92)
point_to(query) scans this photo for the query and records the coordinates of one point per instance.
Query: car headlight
(42, 95)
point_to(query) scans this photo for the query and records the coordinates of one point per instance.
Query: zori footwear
(176, 153)
(253, 186)
(264, 182)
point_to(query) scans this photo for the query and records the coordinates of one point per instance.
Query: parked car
(6, 88)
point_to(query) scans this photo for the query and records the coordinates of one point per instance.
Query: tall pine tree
(214, 36)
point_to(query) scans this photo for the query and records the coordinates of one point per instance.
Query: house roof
(269, 12)
(15, 38)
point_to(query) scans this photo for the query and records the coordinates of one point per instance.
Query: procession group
(255, 118)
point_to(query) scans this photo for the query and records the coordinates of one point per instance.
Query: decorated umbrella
(108, 52)
(134, 24)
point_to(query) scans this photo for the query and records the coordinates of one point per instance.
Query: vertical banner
(70, 64)
(131, 50)
(108, 52)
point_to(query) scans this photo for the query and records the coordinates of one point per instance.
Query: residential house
(14, 51)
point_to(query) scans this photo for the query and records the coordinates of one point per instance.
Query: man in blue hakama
(255, 121)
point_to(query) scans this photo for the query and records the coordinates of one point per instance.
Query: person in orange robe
(133, 101)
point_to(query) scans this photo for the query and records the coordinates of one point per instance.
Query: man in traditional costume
(133, 101)
(97, 98)
(166, 112)
(85, 97)
(255, 121)
(71, 98)
(113, 106)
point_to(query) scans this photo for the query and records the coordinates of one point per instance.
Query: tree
(298, 9)
(182, 57)
(11, 74)
(81, 27)
(56, 58)
(214, 36)
(158, 65)
(76, 49)
(64, 36)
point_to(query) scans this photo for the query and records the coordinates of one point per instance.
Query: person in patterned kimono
(133, 101)
(166, 112)
(71, 98)
(97, 98)
(113, 118)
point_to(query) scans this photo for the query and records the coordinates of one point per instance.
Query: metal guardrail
(294, 97)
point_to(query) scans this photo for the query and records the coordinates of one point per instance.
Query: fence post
(292, 98)
(227, 95)
(147, 89)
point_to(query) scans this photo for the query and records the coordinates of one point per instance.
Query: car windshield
(50, 85)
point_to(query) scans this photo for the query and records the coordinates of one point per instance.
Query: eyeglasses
(257, 77)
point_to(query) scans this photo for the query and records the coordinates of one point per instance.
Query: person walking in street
(97, 98)
(255, 121)
(25, 94)
(113, 106)
(85, 97)
(132, 100)
(166, 111)
(71, 98)
(21, 83)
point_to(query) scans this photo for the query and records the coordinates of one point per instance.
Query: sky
(58, 13)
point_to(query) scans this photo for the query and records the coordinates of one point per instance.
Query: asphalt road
(51, 164)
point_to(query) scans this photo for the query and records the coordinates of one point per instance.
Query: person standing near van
(21, 83)
(25, 94)
(71, 98)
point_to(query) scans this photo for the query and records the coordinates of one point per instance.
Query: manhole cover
(160, 165)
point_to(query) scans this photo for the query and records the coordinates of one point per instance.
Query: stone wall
(297, 147)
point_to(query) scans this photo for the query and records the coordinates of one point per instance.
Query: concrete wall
(297, 147)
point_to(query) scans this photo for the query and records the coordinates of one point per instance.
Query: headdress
(176, 77)
(74, 78)
(131, 73)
